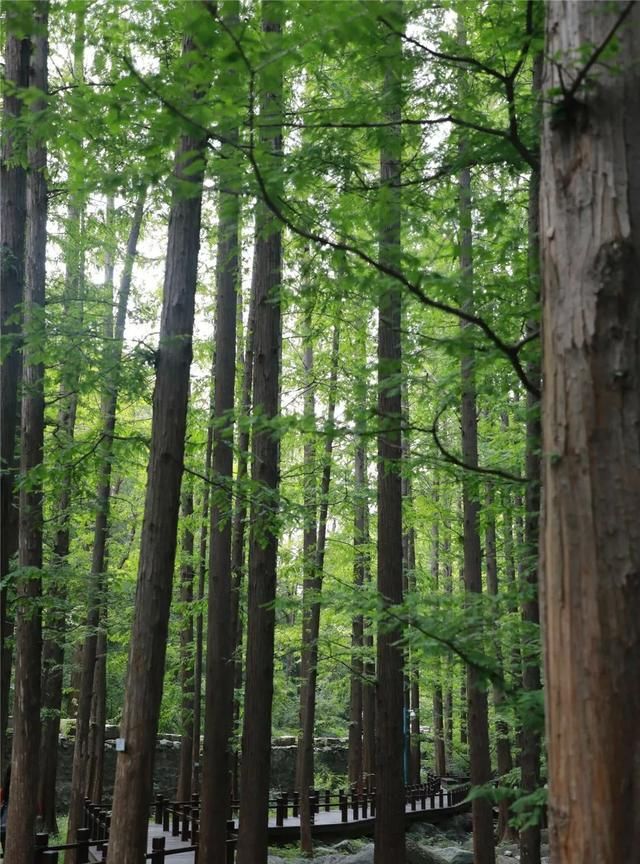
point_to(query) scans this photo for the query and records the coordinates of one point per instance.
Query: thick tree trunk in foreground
(183, 790)
(389, 827)
(263, 540)
(218, 729)
(133, 783)
(477, 721)
(13, 202)
(28, 625)
(590, 234)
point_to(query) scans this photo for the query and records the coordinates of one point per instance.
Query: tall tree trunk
(239, 521)
(590, 235)
(438, 722)
(389, 827)
(361, 572)
(202, 573)
(503, 748)
(53, 652)
(449, 667)
(531, 734)
(95, 599)
(304, 764)
(134, 770)
(28, 624)
(219, 701)
(98, 588)
(263, 540)
(183, 791)
(478, 723)
(95, 764)
(13, 203)
(412, 679)
(309, 686)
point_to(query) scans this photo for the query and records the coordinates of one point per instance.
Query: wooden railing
(182, 819)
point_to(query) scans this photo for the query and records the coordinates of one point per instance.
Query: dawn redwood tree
(440, 754)
(390, 794)
(133, 783)
(503, 748)
(28, 622)
(219, 701)
(304, 766)
(109, 401)
(530, 734)
(476, 695)
(96, 677)
(183, 790)
(590, 237)
(13, 202)
(53, 650)
(263, 538)
(312, 634)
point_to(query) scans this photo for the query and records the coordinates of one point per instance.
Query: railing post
(175, 820)
(441, 799)
(42, 841)
(354, 805)
(157, 850)
(373, 802)
(50, 856)
(285, 805)
(195, 827)
(159, 808)
(344, 808)
(165, 816)
(186, 828)
(85, 811)
(279, 811)
(296, 804)
(364, 802)
(82, 836)
(231, 842)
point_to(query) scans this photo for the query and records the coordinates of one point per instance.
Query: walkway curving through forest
(176, 843)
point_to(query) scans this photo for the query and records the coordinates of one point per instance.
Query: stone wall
(331, 758)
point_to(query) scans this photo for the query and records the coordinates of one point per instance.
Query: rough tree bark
(438, 719)
(183, 788)
(389, 844)
(241, 509)
(219, 702)
(263, 540)
(308, 694)
(304, 770)
(590, 236)
(530, 733)
(133, 783)
(28, 622)
(53, 652)
(361, 574)
(477, 715)
(503, 747)
(13, 202)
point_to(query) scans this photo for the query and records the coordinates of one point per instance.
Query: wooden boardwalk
(328, 825)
